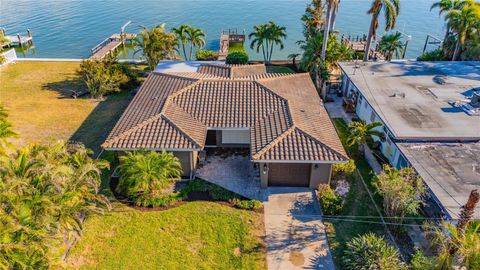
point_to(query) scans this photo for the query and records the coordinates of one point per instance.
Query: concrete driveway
(295, 234)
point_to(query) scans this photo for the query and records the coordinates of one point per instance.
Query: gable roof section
(287, 120)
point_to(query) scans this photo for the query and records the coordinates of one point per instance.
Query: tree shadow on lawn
(96, 127)
(67, 87)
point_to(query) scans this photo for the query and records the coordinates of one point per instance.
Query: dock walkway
(109, 45)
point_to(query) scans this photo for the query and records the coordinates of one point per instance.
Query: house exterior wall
(320, 174)
(366, 112)
(188, 162)
(233, 138)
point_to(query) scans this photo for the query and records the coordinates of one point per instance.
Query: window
(372, 117)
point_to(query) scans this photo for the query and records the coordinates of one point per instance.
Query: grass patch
(357, 203)
(279, 69)
(196, 235)
(37, 96)
(235, 47)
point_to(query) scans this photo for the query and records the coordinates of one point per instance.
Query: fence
(10, 56)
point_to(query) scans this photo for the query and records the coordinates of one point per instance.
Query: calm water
(69, 29)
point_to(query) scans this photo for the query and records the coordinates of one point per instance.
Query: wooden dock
(110, 44)
(226, 37)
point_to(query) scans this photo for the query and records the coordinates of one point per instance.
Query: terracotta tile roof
(286, 118)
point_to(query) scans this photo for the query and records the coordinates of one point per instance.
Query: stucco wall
(320, 174)
(186, 161)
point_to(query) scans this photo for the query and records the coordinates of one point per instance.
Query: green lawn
(235, 47)
(37, 96)
(196, 235)
(357, 203)
(279, 69)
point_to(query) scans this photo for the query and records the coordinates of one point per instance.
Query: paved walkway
(235, 173)
(295, 234)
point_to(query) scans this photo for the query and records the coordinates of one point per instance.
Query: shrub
(330, 202)
(103, 76)
(246, 204)
(435, 55)
(371, 252)
(341, 170)
(238, 57)
(420, 262)
(214, 191)
(206, 55)
(145, 175)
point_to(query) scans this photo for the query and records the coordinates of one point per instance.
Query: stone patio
(233, 171)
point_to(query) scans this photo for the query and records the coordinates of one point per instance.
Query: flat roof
(412, 97)
(182, 66)
(451, 171)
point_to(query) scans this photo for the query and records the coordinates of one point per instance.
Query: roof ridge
(170, 97)
(273, 142)
(168, 74)
(132, 129)
(291, 75)
(320, 142)
(181, 130)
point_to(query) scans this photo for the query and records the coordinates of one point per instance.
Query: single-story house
(279, 117)
(430, 118)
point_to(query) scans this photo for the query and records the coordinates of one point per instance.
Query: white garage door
(236, 136)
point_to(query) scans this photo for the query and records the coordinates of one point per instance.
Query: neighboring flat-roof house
(428, 115)
(278, 116)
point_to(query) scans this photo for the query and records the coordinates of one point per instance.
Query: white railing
(10, 56)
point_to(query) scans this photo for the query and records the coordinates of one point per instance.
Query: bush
(420, 262)
(246, 204)
(371, 252)
(206, 55)
(341, 170)
(147, 175)
(330, 202)
(435, 55)
(238, 57)
(103, 76)
(214, 191)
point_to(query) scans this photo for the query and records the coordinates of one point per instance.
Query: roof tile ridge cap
(320, 142)
(170, 97)
(271, 91)
(180, 130)
(153, 117)
(283, 76)
(132, 129)
(274, 142)
(173, 75)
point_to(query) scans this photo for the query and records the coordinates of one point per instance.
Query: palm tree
(293, 56)
(455, 248)
(332, 7)
(334, 17)
(196, 37)
(391, 9)
(391, 44)
(463, 22)
(369, 251)
(258, 39)
(360, 131)
(312, 60)
(156, 44)
(5, 132)
(313, 17)
(276, 35)
(445, 6)
(146, 174)
(181, 33)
